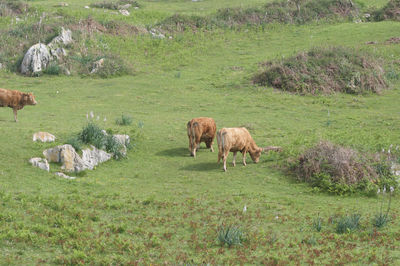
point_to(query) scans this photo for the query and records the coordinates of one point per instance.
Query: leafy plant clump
(347, 224)
(382, 218)
(341, 170)
(230, 235)
(389, 12)
(124, 120)
(92, 134)
(326, 71)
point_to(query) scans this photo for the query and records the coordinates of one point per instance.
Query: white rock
(93, 157)
(36, 59)
(1, 65)
(41, 163)
(64, 38)
(66, 155)
(124, 12)
(87, 7)
(44, 137)
(156, 34)
(97, 65)
(65, 176)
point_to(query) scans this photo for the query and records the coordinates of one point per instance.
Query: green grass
(161, 205)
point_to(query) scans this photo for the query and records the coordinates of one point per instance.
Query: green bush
(52, 69)
(389, 12)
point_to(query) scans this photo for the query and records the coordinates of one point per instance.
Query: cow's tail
(220, 142)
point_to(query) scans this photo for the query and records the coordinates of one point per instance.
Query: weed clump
(341, 170)
(326, 71)
(348, 224)
(230, 235)
(11, 8)
(124, 120)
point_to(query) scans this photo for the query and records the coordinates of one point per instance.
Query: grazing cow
(201, 129)
(16, 100)
(239, 139)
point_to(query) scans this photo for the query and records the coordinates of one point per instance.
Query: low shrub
(75, 142)
(290, 12)
(9, 7)
(389, 12)
(52, 69)
(340, 170)
(326, 71)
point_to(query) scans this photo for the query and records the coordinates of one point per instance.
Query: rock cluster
(38, 57)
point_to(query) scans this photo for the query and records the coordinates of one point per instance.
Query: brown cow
(201, 129)
(239, 139)
(16, 100)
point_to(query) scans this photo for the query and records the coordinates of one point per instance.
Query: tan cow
(16, 100)
(239, 139)
(201, 129)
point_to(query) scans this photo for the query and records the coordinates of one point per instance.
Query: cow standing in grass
(201, 129)
(16, 100)
(239, 139)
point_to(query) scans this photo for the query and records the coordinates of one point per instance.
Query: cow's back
(9, 98)
(206, 125)
(234, 139)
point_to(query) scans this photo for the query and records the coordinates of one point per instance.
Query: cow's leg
(209, 144)
(224, 158)
(219, 155)
(190, 143)
(15, 114)
(234, 158)
(244, 157)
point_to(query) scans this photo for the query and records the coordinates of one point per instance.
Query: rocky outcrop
(36, 59)
(66, 154)
(72, 162)
(124, 12)
(40, 163)
(94, 156)
(97, 65)
(39, 55)
(43, 137)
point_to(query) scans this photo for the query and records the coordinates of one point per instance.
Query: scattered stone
(41, 163)
(65, 176)
(124, 12)
(44, 137)
(156, 34)
(93, 157)
(87, 7)
(36, 59)
(64, 38)
(127, 6)
(97, 65)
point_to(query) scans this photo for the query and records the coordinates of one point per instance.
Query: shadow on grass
(175, 152)
(203, 167)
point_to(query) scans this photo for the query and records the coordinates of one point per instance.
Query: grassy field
(160, 205)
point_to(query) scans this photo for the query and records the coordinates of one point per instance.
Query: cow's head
(29, 99)
(255, 155)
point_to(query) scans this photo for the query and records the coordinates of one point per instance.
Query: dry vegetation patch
(390, 12)
(325, 70)
(340, 170)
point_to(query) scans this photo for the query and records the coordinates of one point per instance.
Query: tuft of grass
(75, 142)
(348, 223)
(326, 71)
(52, 69)
(115, 5)
(124, 120)
(317, 224)
(230, 235)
